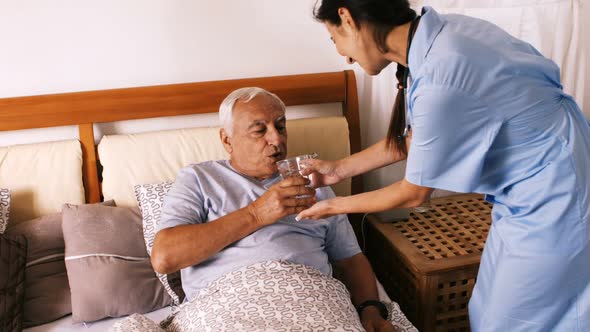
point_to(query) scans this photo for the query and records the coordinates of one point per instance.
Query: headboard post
(89, 166)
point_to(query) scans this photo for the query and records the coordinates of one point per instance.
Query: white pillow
(150, 198)
(4, 209)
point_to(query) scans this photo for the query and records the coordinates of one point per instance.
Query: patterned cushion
(150, 198)
(13, 258)
(4, 209)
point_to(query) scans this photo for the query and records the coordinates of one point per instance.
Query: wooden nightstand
(428, 264)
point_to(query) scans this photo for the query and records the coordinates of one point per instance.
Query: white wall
(69, 45)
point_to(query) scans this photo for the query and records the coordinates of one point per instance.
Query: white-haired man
(222, 215)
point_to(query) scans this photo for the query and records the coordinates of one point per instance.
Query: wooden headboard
(87, 108)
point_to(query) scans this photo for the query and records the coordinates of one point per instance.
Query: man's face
(259, 137)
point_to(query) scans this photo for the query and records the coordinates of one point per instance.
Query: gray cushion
(47, 295)
(109, 271)
(13, 254)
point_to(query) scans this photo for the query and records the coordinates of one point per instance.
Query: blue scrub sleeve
(184, 203)
(451, 134)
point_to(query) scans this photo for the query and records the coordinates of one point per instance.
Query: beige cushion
(41, 177)
(326, 136)
(156, 157)
(153, 157)
(109, 271)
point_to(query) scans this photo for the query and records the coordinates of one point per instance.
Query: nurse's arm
(401, 194)
(373, 157)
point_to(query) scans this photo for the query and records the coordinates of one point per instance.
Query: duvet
(268, 296)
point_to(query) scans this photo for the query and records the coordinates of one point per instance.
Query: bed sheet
(66, 324)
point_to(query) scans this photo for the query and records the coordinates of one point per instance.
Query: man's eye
(281, 128)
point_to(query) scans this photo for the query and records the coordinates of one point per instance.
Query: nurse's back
(538, 164)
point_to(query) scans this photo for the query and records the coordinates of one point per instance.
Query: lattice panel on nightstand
(399, 282)
(452, 299)
(451, 228)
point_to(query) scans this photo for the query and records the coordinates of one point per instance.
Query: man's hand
(373, 322)
(280, 200)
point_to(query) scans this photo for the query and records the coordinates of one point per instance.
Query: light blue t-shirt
(207, 191)
(489, 115)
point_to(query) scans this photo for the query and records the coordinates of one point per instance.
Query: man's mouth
(277, 155)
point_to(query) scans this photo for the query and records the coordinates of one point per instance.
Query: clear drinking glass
(294, 166)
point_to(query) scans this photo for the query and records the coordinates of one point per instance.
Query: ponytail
(397, 125)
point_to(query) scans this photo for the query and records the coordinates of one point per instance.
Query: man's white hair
(226, 109)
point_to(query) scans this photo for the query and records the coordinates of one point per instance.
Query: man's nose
(350, 60)
(273, 136)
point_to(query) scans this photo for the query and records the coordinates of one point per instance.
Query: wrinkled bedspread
(267, 296)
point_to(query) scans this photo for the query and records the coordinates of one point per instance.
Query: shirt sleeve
(341, 242)
(184, 203)
(452, 132)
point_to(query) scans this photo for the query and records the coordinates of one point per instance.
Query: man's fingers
(297, 191)
(304, 202)
(369, 328)
(293, 181)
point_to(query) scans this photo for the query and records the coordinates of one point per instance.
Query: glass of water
(293, 166)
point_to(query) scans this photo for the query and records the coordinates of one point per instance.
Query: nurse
(487, 114)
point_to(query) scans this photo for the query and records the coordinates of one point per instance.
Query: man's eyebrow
(282, 118)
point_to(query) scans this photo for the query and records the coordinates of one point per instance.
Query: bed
(88, 178)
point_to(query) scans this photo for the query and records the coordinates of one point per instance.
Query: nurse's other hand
(322, 172)
(319, 210)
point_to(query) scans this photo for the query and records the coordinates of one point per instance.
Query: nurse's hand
(319, 210)
(322, 172)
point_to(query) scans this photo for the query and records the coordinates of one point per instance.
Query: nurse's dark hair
(382, 16)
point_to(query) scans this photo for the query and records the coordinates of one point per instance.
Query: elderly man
(222, 215)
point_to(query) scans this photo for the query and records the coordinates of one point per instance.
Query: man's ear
(226, 141)
(347, 22)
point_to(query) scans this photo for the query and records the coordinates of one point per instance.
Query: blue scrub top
(489, 115)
